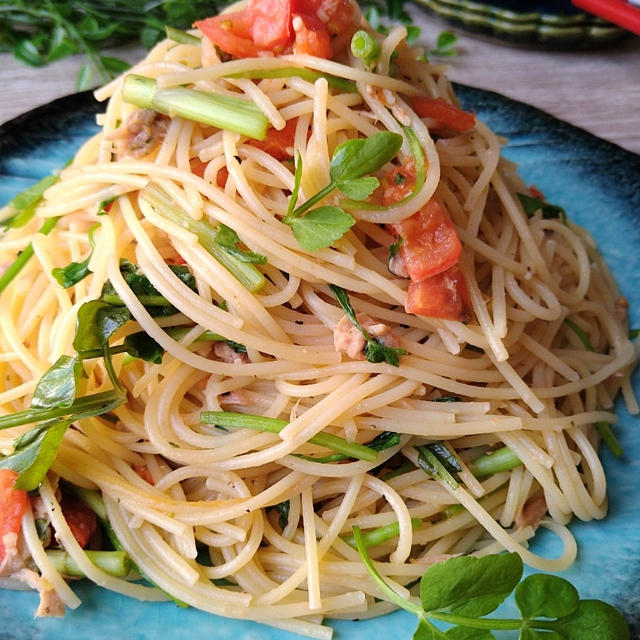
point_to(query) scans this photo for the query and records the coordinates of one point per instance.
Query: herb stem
(381, 534)
(20, 262)
(317, 197)
(180, 36)
(502, 624)
(274, 425)
(335, 82)
(80, 405)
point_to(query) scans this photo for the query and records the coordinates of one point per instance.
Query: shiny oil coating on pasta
(524, 377)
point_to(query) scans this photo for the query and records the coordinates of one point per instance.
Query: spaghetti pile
(218, 473)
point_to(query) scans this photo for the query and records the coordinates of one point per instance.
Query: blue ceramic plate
(597, 182)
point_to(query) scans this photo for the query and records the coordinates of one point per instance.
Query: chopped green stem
(224, 112)
(402, 469)
(580, 333)
(381, 534)
(20, 262)
(606, 433)
(93, 500)
(147, 301)
(80, 405)
(489, 463)
(365, 47)
(274, 425)
(341, 84)
(246, 273)
(180, 36)
(115, 563)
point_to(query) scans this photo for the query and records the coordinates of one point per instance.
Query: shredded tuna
(141, 133)
(533, 511)
(15, 554)
(348, 339)
(225, 353)
(51, 606)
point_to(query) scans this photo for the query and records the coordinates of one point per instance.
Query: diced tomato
(278, 144)
(270, 22)
(231, 32)
(81, 520)
(430, 243)
(396, 184)
(339, 16)
(198, 168)
(311, 36)
(444, 295)
(13, 503)
(444, 113)
(143, 471)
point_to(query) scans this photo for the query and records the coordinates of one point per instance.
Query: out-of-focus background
(586, 73)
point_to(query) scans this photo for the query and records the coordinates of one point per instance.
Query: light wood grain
(596, 90)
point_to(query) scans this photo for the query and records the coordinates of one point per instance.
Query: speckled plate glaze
(599, 185)
(552, 24)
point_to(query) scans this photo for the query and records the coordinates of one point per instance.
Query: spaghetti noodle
(256, 524)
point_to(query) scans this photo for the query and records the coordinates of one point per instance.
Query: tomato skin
(446, 114)
(278, 144)
(270, 22)
(81, 520)
(444, 295)
(13, 503)
(311, 36)
(430, 243)
(231, 32)
(143, 471)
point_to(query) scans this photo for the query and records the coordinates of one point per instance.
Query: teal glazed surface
(597, 183)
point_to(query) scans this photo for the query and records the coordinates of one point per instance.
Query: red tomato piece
(339, 16)
(311, 36)
(13, 503)
(444, 113)
(278, 144)
(81, 520)
(444, 295)
(231, 32)
(198, 168)
(396, 184)
(270, 22)
(430, 243)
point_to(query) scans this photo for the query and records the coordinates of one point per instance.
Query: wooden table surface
(596, 90)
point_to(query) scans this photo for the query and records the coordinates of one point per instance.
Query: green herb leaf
(445, 44)
(58, 385)
(142, 345)
(361, 156)
(360, 188)
(526, 633)
(542, 595)
(470, 586)
(84, 80)
(321, 227)
(426, 631)
(97, 322)
(228, 239)
(593, 620)
(283, 513)
(431, 464)
(297, 179)
(549, 211)
(74, 272)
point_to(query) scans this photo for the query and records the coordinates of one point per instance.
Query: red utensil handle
(617, 11)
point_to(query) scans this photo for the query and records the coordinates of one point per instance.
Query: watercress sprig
(374, 351)
(351, 164)
(463, 590)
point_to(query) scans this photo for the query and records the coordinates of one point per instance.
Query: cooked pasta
(255, 524)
